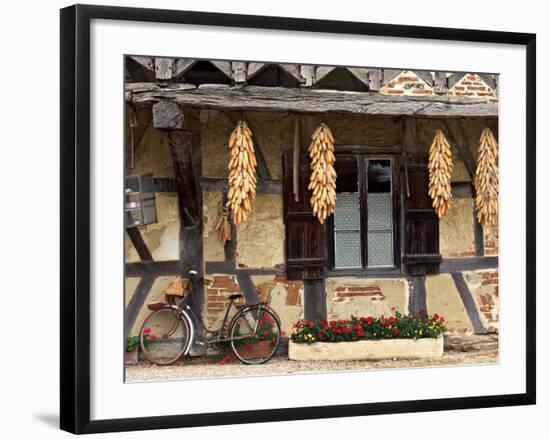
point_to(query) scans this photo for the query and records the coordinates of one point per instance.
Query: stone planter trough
(400, 348)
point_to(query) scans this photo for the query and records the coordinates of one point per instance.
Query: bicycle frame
(217, 335)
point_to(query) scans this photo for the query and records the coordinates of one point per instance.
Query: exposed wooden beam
(441, 83)
(182, 66)
(254, 68)
(164, 69)
(488, 79)
(262, 187)
(417, 294)
(456, 130)
(238, 72)
(152, 268)
(454, 78)
(360, 73)
(144, 61)
(136, 302)
(425, 76)
(167, 116)
(451, 265)
(185, 149)
(315, 299)
(308, 74)
(139, 244)
(253, 98)
(248, 288)
(293, 70)
(469, 303)
(390, 74)
(322, 71)
(224, 67)
(375, 79)
(297, 146)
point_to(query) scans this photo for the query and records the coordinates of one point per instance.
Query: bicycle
(254, 332)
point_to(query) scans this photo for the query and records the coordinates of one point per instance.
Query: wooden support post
(164, 69)
(417, 294)
(441, 83)
(375, 79)
(238, 72)
(308, 74)
(296, 158)
(315, 299)
(185, 149)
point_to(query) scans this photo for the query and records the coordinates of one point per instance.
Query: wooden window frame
(362, 158)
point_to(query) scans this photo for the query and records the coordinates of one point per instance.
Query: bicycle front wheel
(164, 337)
(255, 335)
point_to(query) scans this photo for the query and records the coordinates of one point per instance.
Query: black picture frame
(75, 217)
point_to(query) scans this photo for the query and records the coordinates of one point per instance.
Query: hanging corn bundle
(486, 179)
(223, 227)
(440, 168)
(242, 173)
(322, 182)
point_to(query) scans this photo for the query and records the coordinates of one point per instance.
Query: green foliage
(368, 328)
(132, 343)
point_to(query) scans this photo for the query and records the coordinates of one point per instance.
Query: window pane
(347, 216)
(346, 213)
(380, 211)
(380, 214)
(379, 176)
(346, 176)
(380, 248)
(347, 249)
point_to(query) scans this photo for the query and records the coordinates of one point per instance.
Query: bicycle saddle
(235, 296)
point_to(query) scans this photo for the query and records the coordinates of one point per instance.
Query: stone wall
(348, 296)
(260, 239)
(284, 296)
(407, 83)
(472, 85)
(456, 229)
(484, 287)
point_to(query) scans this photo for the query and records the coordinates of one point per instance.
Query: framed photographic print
(318, 218)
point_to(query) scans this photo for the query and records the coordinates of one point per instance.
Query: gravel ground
(197, 368)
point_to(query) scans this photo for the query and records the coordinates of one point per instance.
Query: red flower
(442, 319)
(152, 337)
(396, 332)
(347, 330)
(147, 331)
(311, 324)
(266, 332)
(436, 316)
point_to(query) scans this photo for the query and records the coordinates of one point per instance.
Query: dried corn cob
(322, 182)
(440, 168)
(223, 227)
(486, 179)
(242, 173)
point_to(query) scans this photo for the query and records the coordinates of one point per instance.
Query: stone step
(471, 342)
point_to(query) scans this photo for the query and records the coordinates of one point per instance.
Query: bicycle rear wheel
(255, 335)
(164, 337)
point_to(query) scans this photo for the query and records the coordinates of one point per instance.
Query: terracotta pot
(259, 349)
(131, 357)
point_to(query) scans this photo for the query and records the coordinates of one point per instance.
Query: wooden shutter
(304, 235)
(421, 226)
